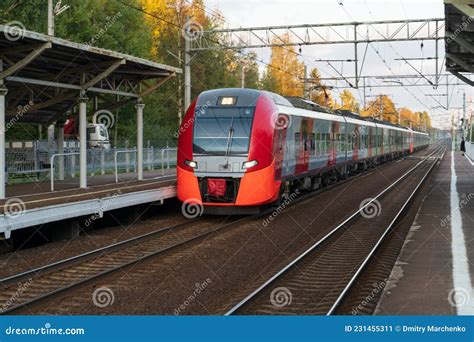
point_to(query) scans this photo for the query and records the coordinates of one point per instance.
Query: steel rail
(323, 239)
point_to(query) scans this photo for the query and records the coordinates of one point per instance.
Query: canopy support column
(83, 140)
(3, 166)
(60, 143)
(139, 106)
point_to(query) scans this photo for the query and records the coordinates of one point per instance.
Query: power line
(298, 54)
(213, 41)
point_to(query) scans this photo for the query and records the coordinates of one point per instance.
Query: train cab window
(222, 130)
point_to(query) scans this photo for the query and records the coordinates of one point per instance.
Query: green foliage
(112, 25)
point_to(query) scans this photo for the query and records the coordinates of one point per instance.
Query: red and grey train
(244, 148)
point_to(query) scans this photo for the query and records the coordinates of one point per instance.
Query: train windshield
(222, 130)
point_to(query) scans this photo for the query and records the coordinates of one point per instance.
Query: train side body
(241, 147)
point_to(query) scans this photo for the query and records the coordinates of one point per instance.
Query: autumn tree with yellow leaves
(285, 72)
(382, 108)
(348, 101)
(318, 92)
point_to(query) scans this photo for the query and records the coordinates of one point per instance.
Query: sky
(250, 13)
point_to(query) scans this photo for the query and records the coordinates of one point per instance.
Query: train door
(341, 143)
(279, 144)
(355, 142)
(371, 138)
(290, 149)
(302, 141)
(412, 148)
(332, 157)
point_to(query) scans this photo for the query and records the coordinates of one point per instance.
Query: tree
(424, 121)
(382, 108)
(284, 69)
(95, 22)
(348, 101)
(319, 93)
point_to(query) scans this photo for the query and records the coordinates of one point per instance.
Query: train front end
(225, 159)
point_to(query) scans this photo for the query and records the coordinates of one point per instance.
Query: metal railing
(167, 150)
(52, 165)
(22, 163)
(116, 163)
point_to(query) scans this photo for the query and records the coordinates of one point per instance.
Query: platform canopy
(47, 74)
(460, 38)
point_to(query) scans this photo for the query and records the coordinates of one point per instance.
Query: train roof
(294, 105)
(301, 103)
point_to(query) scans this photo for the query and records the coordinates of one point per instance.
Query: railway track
(318, 280)
(47, 281)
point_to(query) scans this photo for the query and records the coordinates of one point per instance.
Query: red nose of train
(225, 150)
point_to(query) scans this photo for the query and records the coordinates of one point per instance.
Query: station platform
(33, 204)
(435, 271)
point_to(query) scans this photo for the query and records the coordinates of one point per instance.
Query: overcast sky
(245, 13)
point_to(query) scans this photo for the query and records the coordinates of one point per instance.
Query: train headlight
(249, 164)
(192, 164)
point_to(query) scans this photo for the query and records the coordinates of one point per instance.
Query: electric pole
(50, 18)
(305, 87)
